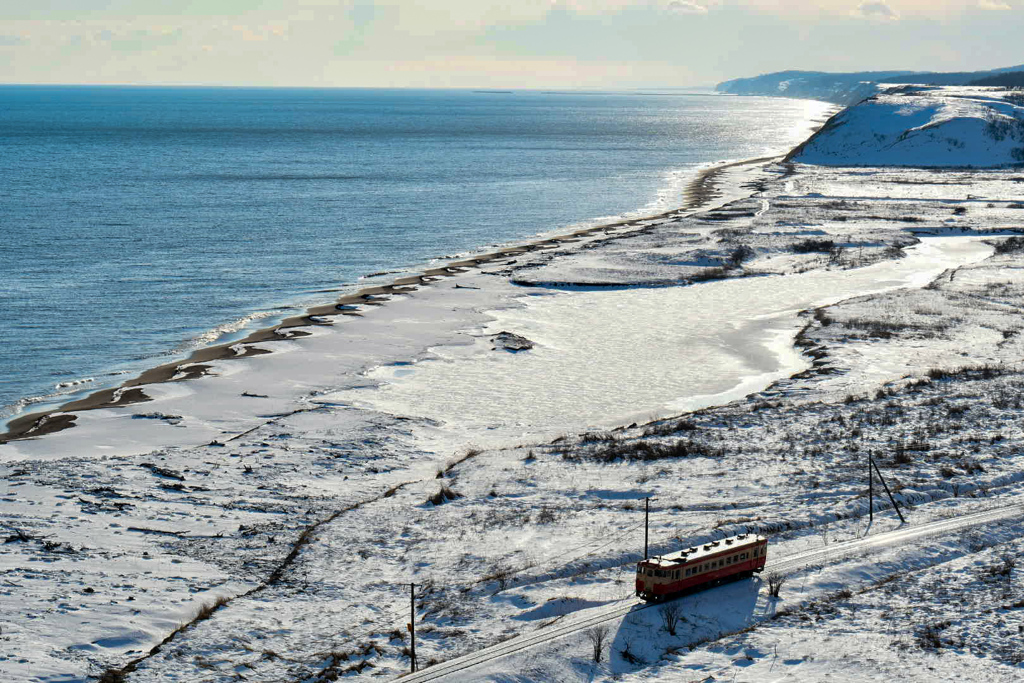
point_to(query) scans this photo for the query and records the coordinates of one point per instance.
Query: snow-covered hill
(924, 126)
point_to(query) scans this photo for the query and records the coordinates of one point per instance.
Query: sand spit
(700, 192)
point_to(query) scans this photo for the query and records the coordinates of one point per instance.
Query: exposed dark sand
(699, 192)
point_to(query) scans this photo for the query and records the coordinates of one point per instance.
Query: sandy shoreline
(700, 191)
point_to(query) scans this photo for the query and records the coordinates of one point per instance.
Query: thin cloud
(686, 7)
(876, 11)
(994, 5)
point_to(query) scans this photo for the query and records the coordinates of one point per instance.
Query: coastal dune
(923, 126)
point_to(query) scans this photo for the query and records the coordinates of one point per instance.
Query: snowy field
(737, 365)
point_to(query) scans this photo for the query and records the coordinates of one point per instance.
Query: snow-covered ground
(810, 317)
(924, 126)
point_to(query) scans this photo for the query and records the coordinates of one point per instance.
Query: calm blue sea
(138, 223)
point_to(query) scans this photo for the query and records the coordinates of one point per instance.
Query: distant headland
(852, 87)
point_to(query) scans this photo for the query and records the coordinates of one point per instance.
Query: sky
(602, 44)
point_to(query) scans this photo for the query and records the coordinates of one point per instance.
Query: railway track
(905, 534)
(788, 564)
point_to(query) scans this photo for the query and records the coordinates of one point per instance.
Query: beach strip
(699, 193)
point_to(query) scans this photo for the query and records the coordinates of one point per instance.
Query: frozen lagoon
(606, 357)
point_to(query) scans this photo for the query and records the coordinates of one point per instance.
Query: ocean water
(139, 223)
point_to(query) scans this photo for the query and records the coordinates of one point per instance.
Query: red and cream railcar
(661, 577)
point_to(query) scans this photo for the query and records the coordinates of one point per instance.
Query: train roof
(706, 550)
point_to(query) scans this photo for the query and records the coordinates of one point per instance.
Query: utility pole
(647, 517)
(412, 626)
(871, 492)
(888, 492)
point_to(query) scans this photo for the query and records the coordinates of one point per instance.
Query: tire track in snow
(765, 205)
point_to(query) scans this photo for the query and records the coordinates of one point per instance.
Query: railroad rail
(791, 563)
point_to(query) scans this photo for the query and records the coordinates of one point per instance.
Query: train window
(729, 560)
